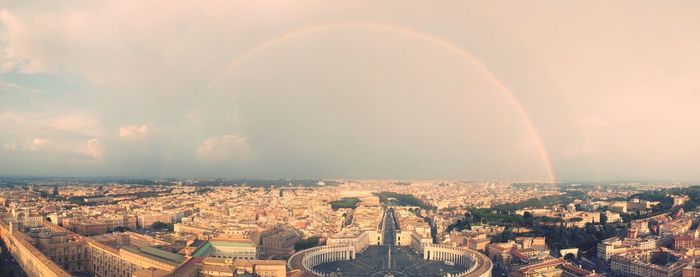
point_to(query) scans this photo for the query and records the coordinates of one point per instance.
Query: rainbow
(446, 44)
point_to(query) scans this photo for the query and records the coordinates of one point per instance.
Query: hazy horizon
(562, 182)
(565, 91)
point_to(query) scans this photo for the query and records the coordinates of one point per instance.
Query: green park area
(345, 202)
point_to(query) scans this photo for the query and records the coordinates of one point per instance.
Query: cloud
(39, 144)
(133, 131)
(14, 53)
(58, 151)
(72, 123)
(22, 35)
(68, 38)
(12, 87)
(231, 147)
(94, 149)
(77, 123)
(617, 88)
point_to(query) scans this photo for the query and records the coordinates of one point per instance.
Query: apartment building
(649, 263)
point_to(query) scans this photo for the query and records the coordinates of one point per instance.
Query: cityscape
(307, 138)
(225, 227)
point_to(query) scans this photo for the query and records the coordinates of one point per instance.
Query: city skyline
(552, 91)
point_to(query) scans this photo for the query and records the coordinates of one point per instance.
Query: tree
(306, 243)
(160, 226)
(346, 202)
(122, 229)
(603, 218)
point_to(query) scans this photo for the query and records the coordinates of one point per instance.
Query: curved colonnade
(307, 259)
(477, 264)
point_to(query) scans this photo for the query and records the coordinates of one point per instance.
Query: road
(390, 239)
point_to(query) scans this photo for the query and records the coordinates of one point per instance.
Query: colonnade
(313, 257)
(471, 260)
(475, 263)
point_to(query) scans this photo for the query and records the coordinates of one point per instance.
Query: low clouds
(225, 148)
(67, 123)
(52, 136)
(94, 149)
(133, 131)
(39, 144)
(77, 151)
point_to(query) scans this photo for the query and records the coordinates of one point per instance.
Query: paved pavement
(376, 260)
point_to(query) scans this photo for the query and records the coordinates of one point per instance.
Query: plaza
(390, 260)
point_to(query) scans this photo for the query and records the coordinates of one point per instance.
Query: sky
(476, 90)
